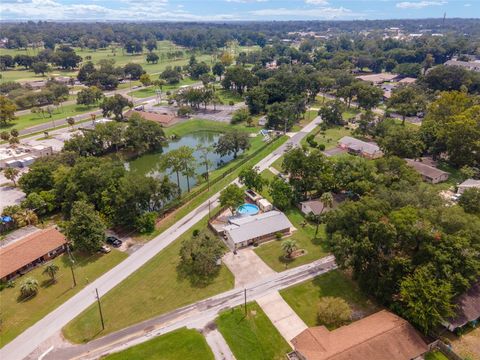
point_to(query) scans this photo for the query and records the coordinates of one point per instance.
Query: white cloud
(467, 5)
(317, 2)
(420, 4)
(317, 13)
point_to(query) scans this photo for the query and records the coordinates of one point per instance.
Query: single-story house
(429, 173)
(467, 308)
(244, 231)
(378, 79)
(369, 150)
(468, 184)
(407, 81)
(469, 65)
(381, 336)
(317, 207)
(163, 118)
(21, 256)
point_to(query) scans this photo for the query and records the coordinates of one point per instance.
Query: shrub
(333, 311)
(146, 222)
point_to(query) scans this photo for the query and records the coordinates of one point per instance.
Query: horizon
(233, 10)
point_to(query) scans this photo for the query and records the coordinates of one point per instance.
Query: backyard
(156, 288)
(182, 344)
(271, 252)
(18, 315)
(152, 90)
(252, 336)
(303, 298)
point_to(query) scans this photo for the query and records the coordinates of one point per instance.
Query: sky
(230, 10)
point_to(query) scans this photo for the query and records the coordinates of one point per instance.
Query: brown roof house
(21, 256)
(429, 173)
(381, 336)
(317, 207)
(163, 118)
(467, 308)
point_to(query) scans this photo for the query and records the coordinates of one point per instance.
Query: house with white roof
(468, 184)
(248, 230)
(369, 150)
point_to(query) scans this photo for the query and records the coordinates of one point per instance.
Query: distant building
(377, 79)
(369, 150)
(429, 173)
(22, 156)
(381, 336)
(317, 207)
(467, 309)
(248, 230)
(163, 118)
(23, 255)
(468, 184)
(469, 65)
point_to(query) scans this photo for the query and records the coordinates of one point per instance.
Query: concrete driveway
(287, 322)
(246, 266)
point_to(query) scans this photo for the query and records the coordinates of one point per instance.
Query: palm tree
(289, 246)
(26, 217)
(204, 151)
(327, 201)
(29, 288)
(188, 163)
(172, 160)
(51, 270)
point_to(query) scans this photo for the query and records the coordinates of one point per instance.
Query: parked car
(105, 249)
(114, 241)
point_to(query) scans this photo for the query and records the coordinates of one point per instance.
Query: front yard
(17, 315)
(182, 344)
(156, 288)
(252, 336)
(303, 298)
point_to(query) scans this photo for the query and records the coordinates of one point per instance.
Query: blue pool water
(248, 209)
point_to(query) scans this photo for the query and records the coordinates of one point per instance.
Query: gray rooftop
(425, 170)
(359, 145)
(250, 227)
(470, 183)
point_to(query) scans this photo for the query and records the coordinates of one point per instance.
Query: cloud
(317, 2)
(317, 13)
(467, 5)
(245, 1)
(420, 4)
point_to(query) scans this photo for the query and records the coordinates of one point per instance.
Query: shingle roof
(22, 252)
(359, 145)
(378, 78)
(468, 307)
(250, 227)
(380, 336)
(153, 116)
(470, 183)
(425, 170)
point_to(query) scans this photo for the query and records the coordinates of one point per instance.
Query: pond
(149, 164)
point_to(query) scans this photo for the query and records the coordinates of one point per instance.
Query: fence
(445, 350)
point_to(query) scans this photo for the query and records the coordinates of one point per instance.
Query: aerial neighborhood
(285, 186)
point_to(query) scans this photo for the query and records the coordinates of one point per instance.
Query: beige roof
(359, 145)
(162, 118)
(381, 336)
(33, 246)
(470, 183)
(407, 80)
(378, 78)
(425, 170)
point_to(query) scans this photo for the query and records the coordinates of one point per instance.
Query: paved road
(198, 315)
(220, 348)
(31, 338)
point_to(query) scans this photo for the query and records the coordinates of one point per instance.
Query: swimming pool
(248, 209)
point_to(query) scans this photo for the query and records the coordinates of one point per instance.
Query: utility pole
(100, 309)
(71, 266)
(245, 300)
(209, 217)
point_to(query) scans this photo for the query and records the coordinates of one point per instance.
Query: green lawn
(193, 125)
(152, 90)
(28, 120)
(156, 288)
(303, 298)
(435, 355)
(226, 96)
(330, 137)
(350, 113)
(182, 344)
(251, 337)
(17, 316)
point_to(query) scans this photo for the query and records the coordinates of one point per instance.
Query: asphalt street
(30, 339)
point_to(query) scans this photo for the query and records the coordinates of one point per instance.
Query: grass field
(467, 345)
(156, 288)
(152, 90)
(182, 344)
(28, 120)
(435, 355)
(303, 298)
(121, 59)
(17, 316)
(253, 336)
(331, 136)
(227, 96)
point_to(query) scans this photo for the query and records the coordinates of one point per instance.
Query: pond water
(149, 164)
